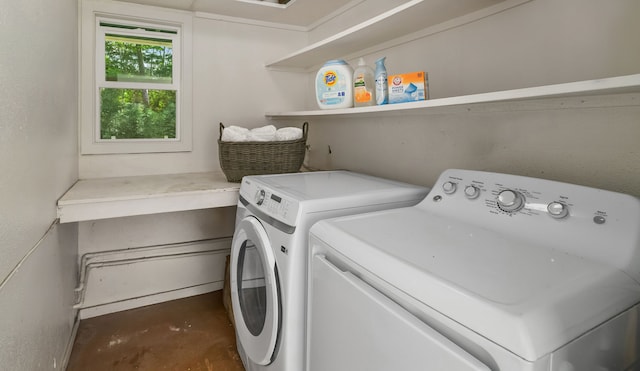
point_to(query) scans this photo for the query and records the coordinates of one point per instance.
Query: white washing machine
(269, 254)
(489, 272)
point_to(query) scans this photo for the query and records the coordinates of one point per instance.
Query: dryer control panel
(269, 202)
(589, 222)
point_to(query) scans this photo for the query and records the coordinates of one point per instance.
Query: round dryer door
(254, 291)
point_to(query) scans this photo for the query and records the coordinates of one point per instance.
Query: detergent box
(408, 87)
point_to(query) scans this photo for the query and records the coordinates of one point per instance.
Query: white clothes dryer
(490, 272)
(269, 254)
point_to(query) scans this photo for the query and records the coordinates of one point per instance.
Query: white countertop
(91, 199)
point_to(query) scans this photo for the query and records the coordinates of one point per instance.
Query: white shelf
(415, 17)
(91, 199)
(607, 86)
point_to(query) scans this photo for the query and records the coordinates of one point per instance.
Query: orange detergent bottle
(363, 85)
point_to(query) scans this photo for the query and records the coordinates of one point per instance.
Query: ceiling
(297, 13)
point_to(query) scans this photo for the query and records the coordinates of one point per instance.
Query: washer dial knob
(449, 187)
(472, 192)
(558, 210)
(510, 201)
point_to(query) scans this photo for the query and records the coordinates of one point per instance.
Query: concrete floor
(188, 334)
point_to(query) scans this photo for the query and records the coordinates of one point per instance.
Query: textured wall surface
(38, 160)
(231, 85)
(591, 141)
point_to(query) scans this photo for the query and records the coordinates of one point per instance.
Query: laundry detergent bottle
(364, 91)
(334, 85)
(382, 85)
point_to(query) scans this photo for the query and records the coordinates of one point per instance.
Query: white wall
(355, 12)
(230, 85)
(36, 305)
(38, 159)
(540, 42)
(152, 230)
(159, 257)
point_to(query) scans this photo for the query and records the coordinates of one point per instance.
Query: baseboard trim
(71, 342)
(119, 306)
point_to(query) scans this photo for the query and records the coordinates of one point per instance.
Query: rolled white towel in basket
(290, 133)
(235, 134)
(262, 134)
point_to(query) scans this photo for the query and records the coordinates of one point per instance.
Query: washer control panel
(593, 223)
(466, 192)
(515, 196)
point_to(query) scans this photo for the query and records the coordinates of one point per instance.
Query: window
(137, 97)
(135, 82)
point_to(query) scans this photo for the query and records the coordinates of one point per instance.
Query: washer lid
(529, 299)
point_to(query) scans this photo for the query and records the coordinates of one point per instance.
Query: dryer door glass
(255, 294)
(252, 290)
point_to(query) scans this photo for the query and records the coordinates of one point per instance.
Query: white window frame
(92, 75)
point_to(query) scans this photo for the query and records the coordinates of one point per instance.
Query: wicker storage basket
(238, 159)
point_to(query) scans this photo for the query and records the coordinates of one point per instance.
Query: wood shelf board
(408, 18)
(613, 85)
(91, 199)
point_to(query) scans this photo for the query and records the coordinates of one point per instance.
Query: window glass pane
(137, 114)
(138, 59)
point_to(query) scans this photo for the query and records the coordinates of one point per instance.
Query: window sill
(93, 199)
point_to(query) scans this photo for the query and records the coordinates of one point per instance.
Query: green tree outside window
(131, 112)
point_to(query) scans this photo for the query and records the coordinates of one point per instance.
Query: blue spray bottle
(382, 87)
